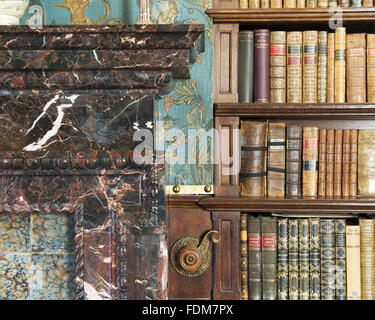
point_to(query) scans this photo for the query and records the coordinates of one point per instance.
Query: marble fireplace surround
(71, 98)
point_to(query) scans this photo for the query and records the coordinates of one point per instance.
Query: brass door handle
(191, 257)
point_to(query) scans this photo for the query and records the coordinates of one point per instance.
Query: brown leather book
(345, 163)
(276, 160)
(344, 3)
(332, 3)
(353, 163)
(294, 67)
(331, 68)
(254, 4)
(276, 3)
(293, 161)
(330, 162)
(356, 67)
(370, 67)
(261, 66)
(264, 4)
(338, 164)
(322, 162)
(244, 260)
(278, 66)
(366, 162)
(311, 3)
(244, 4)
(301, 4)
(368, 3)
(322, 3)
(290, 3)
(253, 158)
(310, 67)
(310, 161)
(340, 64)
(322, 66)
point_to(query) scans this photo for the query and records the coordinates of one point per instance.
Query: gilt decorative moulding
(79, 218)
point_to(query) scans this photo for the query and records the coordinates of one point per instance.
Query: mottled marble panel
(14, 232)
(14, 276)
(51, 277)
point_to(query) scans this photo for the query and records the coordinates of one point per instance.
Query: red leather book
(338, 164)
(322, 162)
(261, 65)
(345, 163)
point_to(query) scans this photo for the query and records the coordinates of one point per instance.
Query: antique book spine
(301, 4)
(366, 162)
(310, 67)
(344, 3)
(282, 259)
(356, 67)
(330, 162)
(368, 3)
(322, 66)
(253, 158)
(255, 257)
(311, 3)
(290, 3)
(353, 264)
(276, 4)
(367, 236)
(254, 4)
(322, 3)
(245, 66)
(276, 160)
(294, 67)
(356, 3)
(293, 259)
(327, 259)
(310, 161)
(331, 68)
(278, 67)
(346, 163)
(322, 162)
(314, 258)
(332, 3)
(244, 260)
(338, 164)
(340, 64)
(244, 4)
(353, 163)
(340, 259)
(269, 257)
(265, 4)
(261, 65)
(304, 264)
(370, 67)
(293, 161)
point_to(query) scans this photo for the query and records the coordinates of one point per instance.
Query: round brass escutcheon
(207, 188)
(190, 258)
(176, 189)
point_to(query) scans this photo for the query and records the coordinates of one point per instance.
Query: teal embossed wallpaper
(189, 106)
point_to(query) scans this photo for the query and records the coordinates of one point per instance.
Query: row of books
(307, 258)
(306, 67)
(274, 4)
(279, 161)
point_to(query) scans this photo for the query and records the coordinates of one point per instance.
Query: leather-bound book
(314, 258)
(322, 66)
(353, 163)
(356, 67)
(245, 66)
(356, 3)
(254, 4)
(327, 259)
(332, 3)
(269, 258)
(276, 160)
(301, 4)
(304, 263)
(366, 162)
(367, 236)
(253, 158)
(264, 4)
(338, 164)
(368, 3)
(370, 67)
(311, 3)
(346, 163)
(340, 64)
(244, 4)
(330, 162)
(282, 259)
(261, 65)
(278, 66)
(276, 4)
(331, 68)
(344, 3)
(293, 161)
(244, 260)
(293, 259)
(322, 3)
(255, 257)
(294, 67)
(310, 67)
(290, 3)
(310, 161)
(340, 259)
(322, 162)
(353, 264)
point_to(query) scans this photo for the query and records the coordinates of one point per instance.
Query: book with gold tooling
(278, 67)
(353, 163)
(255, 257)
(322, 66)
(332, 3)
(244, 260)
(330, 162)
(282, 259)
(311, 3)
(370, 67)
(303, 257)
(314, 224)
(322, 3)
(346, 163)
(356, 67)
(254, 4)
(337, 172)
(301, 3)
(368, 3)
(290, 3)
(331, 68)
(366, 162)
(264, 4)
(310, 66)
(340, 235)
(327, 259)
(340, 64)
(322, 162)
(310, 161)
(294, 67)
(276, 4)
(344, 3)
(293, 161)
(293, 260)
(261, 65)
(244, 4)
(353, 265)
(356, 3)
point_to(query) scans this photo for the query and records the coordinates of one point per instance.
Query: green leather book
(255, 257)
(314, 258)
(269, 257)
(327, 259)
(245, 66)
(340, 233)
(282, 259)
(293, 259)
(304, 265)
